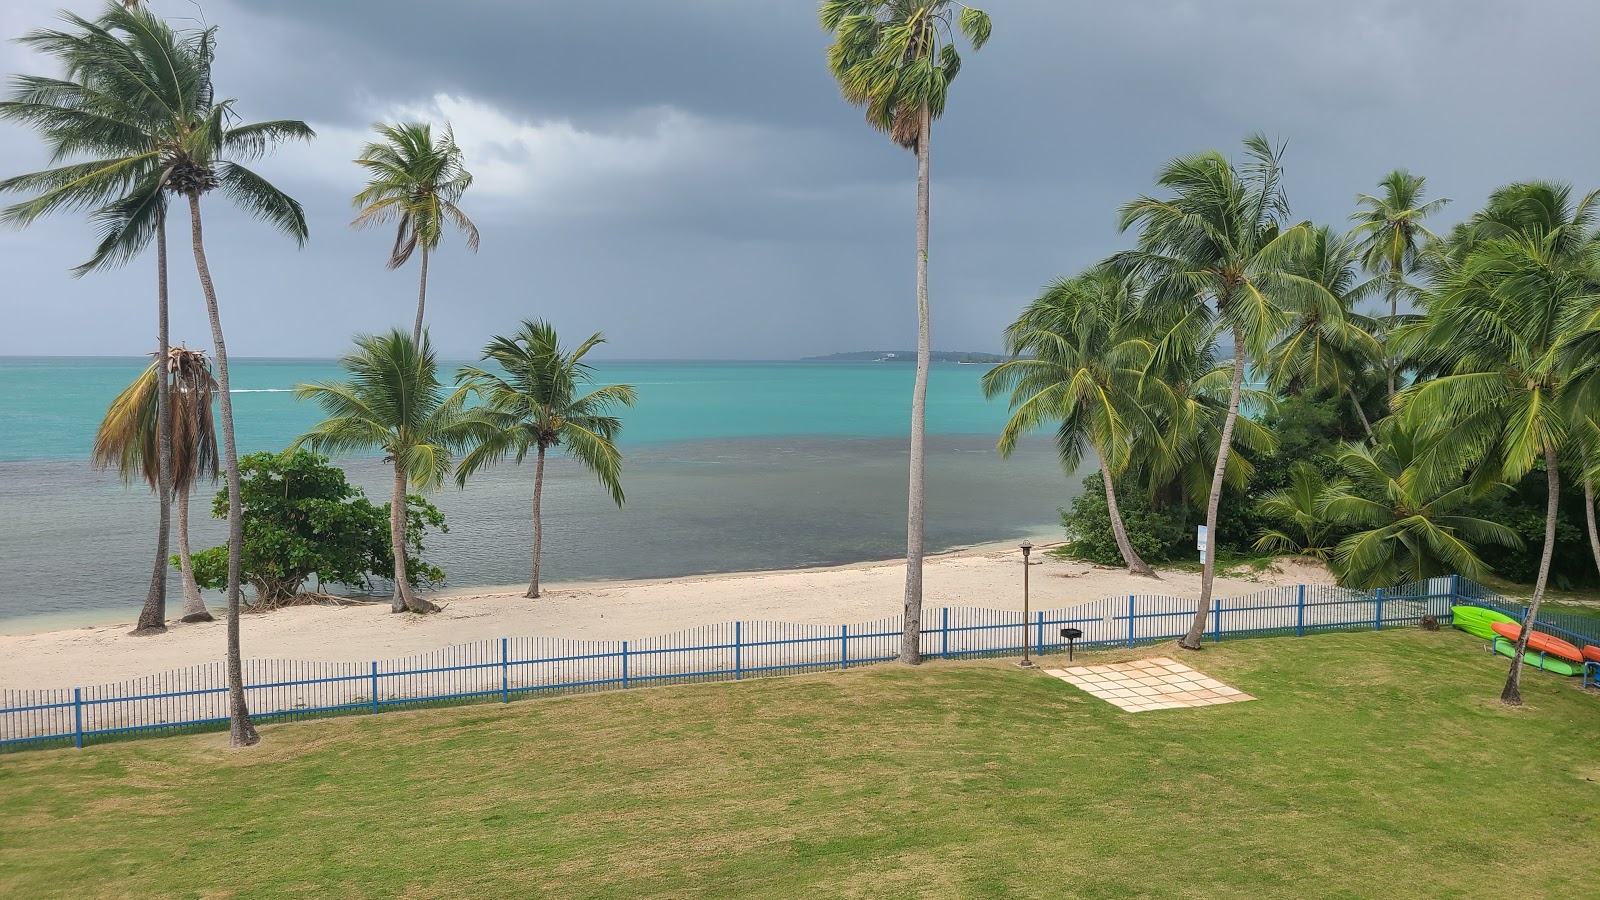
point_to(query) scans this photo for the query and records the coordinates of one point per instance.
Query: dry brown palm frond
(127, 437)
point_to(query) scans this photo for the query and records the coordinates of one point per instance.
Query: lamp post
(1027, 548)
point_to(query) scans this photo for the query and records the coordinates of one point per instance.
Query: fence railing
(512, 668)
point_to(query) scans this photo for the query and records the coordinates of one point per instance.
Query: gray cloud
(685, 177)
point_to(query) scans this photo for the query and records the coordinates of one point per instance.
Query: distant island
(908, 356)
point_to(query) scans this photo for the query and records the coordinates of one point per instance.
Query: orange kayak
(1541, 642)
(1591, 653)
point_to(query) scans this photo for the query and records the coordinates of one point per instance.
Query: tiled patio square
(1147, 684)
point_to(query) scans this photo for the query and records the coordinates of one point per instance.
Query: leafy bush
(1156, 535)
(302, 518)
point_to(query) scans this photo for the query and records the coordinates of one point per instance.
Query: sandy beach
(985, 576)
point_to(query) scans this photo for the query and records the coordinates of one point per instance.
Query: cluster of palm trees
(1494, 376)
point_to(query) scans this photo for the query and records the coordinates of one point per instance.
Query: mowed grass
(1373, 765)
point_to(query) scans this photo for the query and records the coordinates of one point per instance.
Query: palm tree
(1300, 503)
(140, 98)
(1327, 353)
(1412, 517)
(1217, 255)
(1082, 371)
(1499, 320)
(414, 182)
(544, 400)
(394, 402)
(1389, 229)
(897, 59)
(130, 437)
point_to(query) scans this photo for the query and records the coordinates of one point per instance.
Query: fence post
(624, 665)
(1216, 621)
(1130, 621)
(1377, 619)
(1455, 589)
(844, 646)
(77, 718)
(374, 687)
(1300, 615)
(738, 650)
(505, 671)
(944, 633)
(1038, 636)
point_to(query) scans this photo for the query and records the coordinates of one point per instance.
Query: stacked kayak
(1546, 652)
(1476, 620)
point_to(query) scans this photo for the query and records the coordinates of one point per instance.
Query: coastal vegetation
(546, 399)
(898, 59)
(1341, 780)
(304, 520)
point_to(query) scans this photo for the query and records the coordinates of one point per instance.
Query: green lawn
(1373, 765)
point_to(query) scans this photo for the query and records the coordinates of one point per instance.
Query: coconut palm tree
(1217, 255)
(1390, 231)
(414, 182)
(1499, 321)
(139, 103)
(1331, 354)
(130, 437)
(545, 399)
(897, 59)
(393, 402)
(1412, 518)
(1301, 504)
(1080, 368)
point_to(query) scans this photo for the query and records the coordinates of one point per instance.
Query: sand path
(985, 577)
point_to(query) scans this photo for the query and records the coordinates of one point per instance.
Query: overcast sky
(685, 177)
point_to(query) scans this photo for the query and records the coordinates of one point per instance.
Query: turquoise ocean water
(730, 466)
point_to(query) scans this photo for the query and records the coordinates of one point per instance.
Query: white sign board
(1202, 541)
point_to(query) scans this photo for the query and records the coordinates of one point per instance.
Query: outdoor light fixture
(1027, 548)
(1071, 634)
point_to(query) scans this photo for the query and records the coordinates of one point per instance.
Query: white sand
(984, 577)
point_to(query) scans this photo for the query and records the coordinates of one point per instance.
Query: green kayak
(1477, 620)
(1552, 664)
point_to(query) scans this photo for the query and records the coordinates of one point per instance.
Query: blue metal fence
(513, 668)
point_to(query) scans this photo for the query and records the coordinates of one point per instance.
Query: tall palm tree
(1218, 255)
(546, 399)
(414, 182)
(897, 59)
(1499, 320)
(131, 435)
(1080, 368)
(147, 118)
(1390, 232)
(1319, 352)
(393, 402)
(1413, 517)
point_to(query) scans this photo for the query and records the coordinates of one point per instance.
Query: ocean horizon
(730, 466)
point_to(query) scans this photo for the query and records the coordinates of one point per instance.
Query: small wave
(261, 391)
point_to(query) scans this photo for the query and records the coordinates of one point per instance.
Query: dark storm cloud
(685, 176)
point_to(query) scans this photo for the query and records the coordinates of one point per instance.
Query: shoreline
(984, 575)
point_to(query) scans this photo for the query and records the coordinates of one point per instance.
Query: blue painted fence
(513, 668)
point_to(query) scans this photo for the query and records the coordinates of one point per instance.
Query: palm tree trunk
(1512, 694)
(911, 637)
(1361, 413)
(1208, 570)
(153, 617)
(404, 599)
(1588, 515)
(1136, 566)
(538, 523)
(241, 733)
(194, 604)
(1388, 336)
(422, 297)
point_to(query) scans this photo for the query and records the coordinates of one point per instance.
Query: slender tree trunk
(1208, 571)
(1512, 694)
(911, 637)
(1388, 337)
(194, 604)
(422, 297)
(1588, 515)
(1136, 566)
(153, 617)
(404, 599)
(538, 523)
(241, 733)
(1361, 413)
